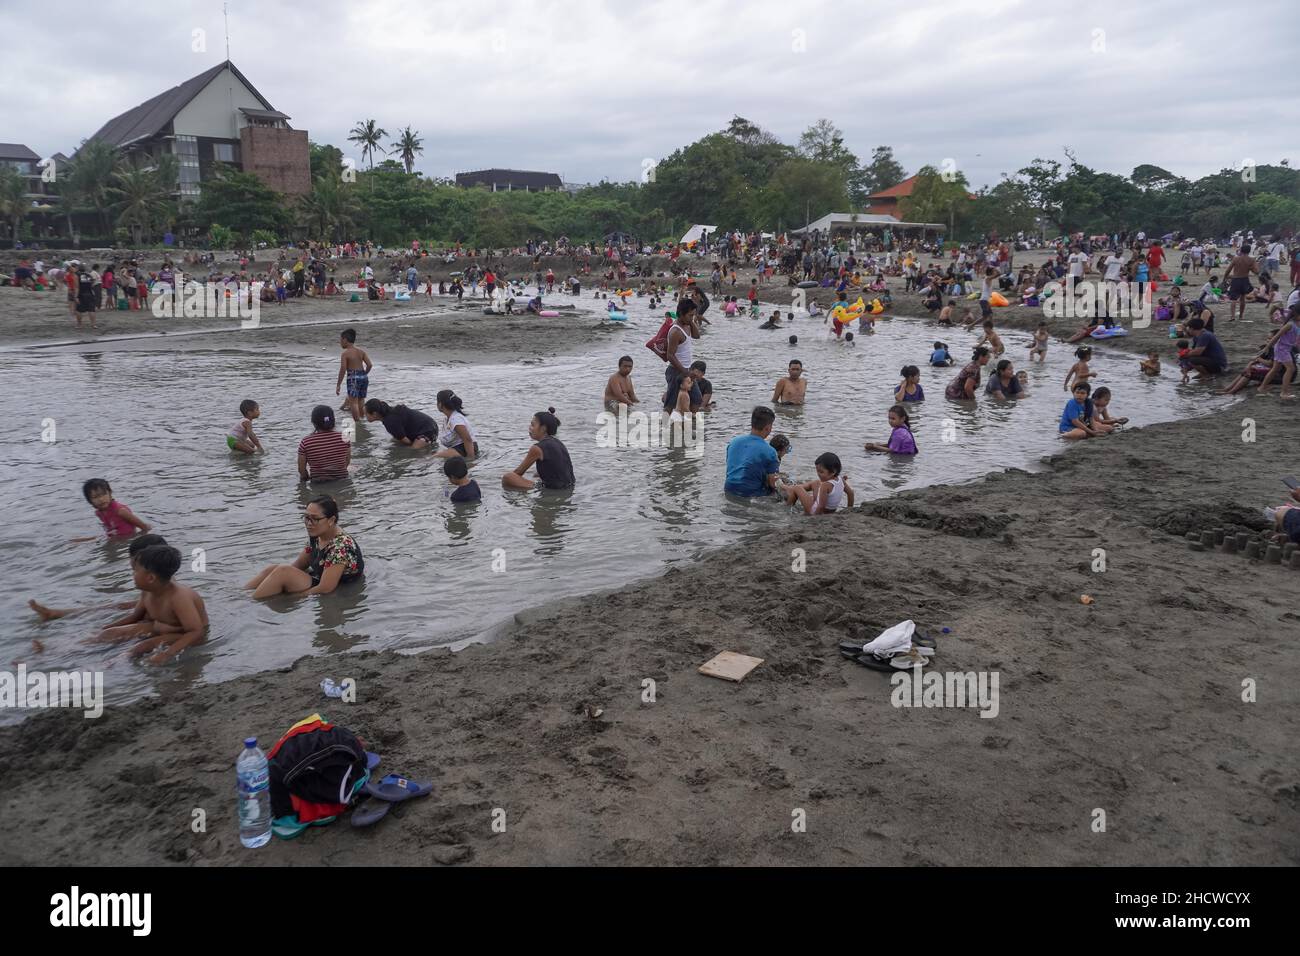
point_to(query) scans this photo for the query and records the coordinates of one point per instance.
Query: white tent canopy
(867, 222)
(695, 233)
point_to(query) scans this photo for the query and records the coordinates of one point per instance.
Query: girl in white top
(829, 492)
(455, 437)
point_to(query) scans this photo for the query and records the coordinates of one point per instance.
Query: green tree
(331, 210)
(241, 202)
(408, 146)
(935, 199)
(90, 178)
(325, 160)
(800, 188)
(824, 143)
(14, 204)
(367, 134)
(141, 195)
(883, 171)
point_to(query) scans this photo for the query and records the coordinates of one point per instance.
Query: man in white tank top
(680, 354)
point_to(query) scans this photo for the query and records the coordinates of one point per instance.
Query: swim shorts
(1238, 287)
(231, 442)
(358, 384)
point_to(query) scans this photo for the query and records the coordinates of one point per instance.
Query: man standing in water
(791, 389)
(678, 351)
(1238, 277)
(355, 364)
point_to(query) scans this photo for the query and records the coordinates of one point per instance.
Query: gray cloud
(590, 89)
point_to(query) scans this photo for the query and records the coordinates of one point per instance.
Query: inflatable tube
(877, 308)
(998, 300)
(614, 316)
(1104, 333)
(548, 313)
(806, 284)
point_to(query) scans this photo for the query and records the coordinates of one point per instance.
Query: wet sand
(1131, 705)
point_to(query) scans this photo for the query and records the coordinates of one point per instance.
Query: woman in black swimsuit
(554, 469)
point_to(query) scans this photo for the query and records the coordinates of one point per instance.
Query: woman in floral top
(331, 557)
(967, 381)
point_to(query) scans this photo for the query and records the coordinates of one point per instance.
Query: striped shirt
(326, 453)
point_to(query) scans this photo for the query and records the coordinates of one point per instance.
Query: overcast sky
(592, 89)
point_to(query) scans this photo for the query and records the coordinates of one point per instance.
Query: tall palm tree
(367, 134)
(91, 177)
(14, 203)
(408, 147)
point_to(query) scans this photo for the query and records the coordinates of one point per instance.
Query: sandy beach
(1131, 705)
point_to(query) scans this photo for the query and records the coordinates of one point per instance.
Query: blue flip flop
(397, 789)
(372, 760)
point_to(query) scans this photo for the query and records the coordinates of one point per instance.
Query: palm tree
(329, 210)
(142, 193)
(14, 203)
(91, 177)
(367, 135)
(408, 147)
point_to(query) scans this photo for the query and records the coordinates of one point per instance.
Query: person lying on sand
(138, 544)
(791, 389)
(169, 617)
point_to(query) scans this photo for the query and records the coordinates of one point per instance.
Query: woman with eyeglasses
(330, 558)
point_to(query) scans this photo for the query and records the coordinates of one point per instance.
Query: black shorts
(85, 306)
(1239, 287)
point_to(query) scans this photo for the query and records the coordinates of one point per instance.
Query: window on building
(225, 152)
(187, 157)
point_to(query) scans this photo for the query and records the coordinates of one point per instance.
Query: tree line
(738, 177)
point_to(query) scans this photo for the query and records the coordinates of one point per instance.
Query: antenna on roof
(226, 17)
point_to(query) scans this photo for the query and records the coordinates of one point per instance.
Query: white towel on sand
(893, 641)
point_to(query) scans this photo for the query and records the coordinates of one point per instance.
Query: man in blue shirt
(752, 464)
(1207, 352)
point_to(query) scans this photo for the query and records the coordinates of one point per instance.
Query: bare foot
(45, 613)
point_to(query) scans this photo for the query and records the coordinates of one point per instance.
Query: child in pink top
(118, 520)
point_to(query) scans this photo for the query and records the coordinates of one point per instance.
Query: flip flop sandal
(908, 660)
(872, 662)
(370, 812)
(926, 652)
(395, 789)
(372, 760)
(854, 646)
(923, 640)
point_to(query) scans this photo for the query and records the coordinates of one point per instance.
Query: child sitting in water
(464, 488)
(169, 616)
(118, 520)
(1150, 365)
(940, 357)
(1100, 405)
(781, 445)
(1038, 346)
(1079, 370)
(1076, 420)
(945, 314)
(991, 339)
(909, 390)
(901, 440)
(241, 437)
(826, 494)
(138, 544)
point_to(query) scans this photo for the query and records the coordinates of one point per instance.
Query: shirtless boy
(355, 364)
(1238, 278)
(790, 390)
(619, 390)
(169, 616)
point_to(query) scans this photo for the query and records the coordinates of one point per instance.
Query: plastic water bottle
(254, 785)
